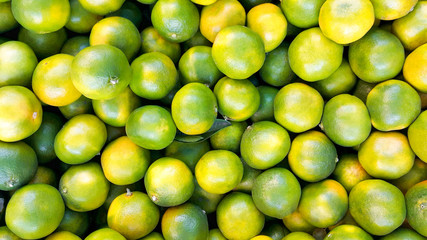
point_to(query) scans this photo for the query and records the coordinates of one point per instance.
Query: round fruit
(298, 236)
(34, 211)
(377, 56)
(151, 127)
(101, 7)
(394, 9)
(6, 234)
(265, 111)
(152, 41)
(377, 206)
(324, 203)
(18, 164)
(348, 232)
(219, 171)
(17, 63)
(276, 70)
(84, 187)
(41, 16)
(393, 105)
(123, 162)
(248, 179)
(80, 139)
(175, 20)
(324, 59)
(52, 81)
(81, 20)
(118, 32)
(153, 235)
(154, 75)
(296, 223)
(20, 113)
(63, 236)
(187, 221)
(215, 234)
(43, 44)
(386, 155)
(416, 201)
(417, 133)
(82, 105)
(276, 192)
(100, 72)
(349, 171)
(264, 144)
(229, 137)
(194, 109)
(346, 21)
(169, 182)
(133, 215)
(418, 173)
(298, 107)
(238, 218)
(44, 175)
(205, 200)
(8, 22)
(238, 52)
(346, 120)
(413, 69)
(75, 44)
(105, 234)
(312, 156)
(403, 233)
(75, 222)
(189, 153)
(302, 14)
(238, 100)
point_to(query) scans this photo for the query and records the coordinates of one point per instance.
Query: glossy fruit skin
(377, 206)
(169, 182)
(34, 211)
(417, 131)
(80, 139)
(238, 217)
(153, 235)
(81, 20)
(349, 232)
(386, 155)
(84, 187)
(100, 72)
(41, 16)
(205, 200)
(264, 144)
(325, 57)
(18, 164)
(312, 156)
(151, 127)
(44, 175)
(302, 14)
(20, 113)
(189, 153)
(416, 207)
(175, 20)
(83, 105)
(152, 41)
(101, 7)
(154, 75)
(418, 173)
(75, 44)
(276, 70)
(248, 179)
(265, 111)
(298, 107)
(296, 223)
(118, 32)
(43, 44)
(6, 234)
(219, 171)
(130, 11)
(115, 111)
(377, 56)
(194, 109)
(346, 120)
(215, 234)
(186, 221)
(133, 215)
(229, 138)
(75, 222)
(17, 63)
(52, 81)
(238, 100)
(238, 52)
(324, 203)
(413, 70)
(298, 236)
(276, 192)
(8, 22)
(392, 9)
(393, 105)
(105, 234)
(403, 234)
(63, 236)
(349, 171)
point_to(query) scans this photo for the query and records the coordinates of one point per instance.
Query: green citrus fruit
(362, 89)
(215, 234)
(34, 211)
(75, 44)
(17, 63)
(238, 52)
(154, 75)
(151, 127)
(152, 41)
(43, 44)
(80, 139)
(41, 16)
(403, 234)
(377, 56)
(413, 69)
(312, 156)
(377, 206)
(416, 201)
(238, 100)
(238, 218)
(276, 192)
(417, 133)
(205, 200)
(6, 234)
(265, 111)
(229, 137)
(276, 70)
(418, 173)
(189, 153)
(302, 14)
(7, 21)
(349, 171)
(105, 234)
(81, 20)
(175, 20)
(153, 235)
(117, 190)
(133, 215)
(63, 235)
(276, 230)
(393, 105)
(44, 175)
(20, 113)
(197, 40)
(346, 120)
(296, 223)
(248, 179)
(169, 182)
(298, 107)
(130, 11)
(194, 109)
(75, 222)
(100, 72)
(187, 221)
(82, 105)
(264, 144)
(118, 32)
(298, 236)
(84, 187)
(324, 59)
(101, 7)
(348, 232)
(394, 9)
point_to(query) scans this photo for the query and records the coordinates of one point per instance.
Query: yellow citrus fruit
(101, 7)
(296, 223)
(392, 9)
(349, 171)
(105, 234)
(302, 14)
(63, 235)
(414, 68)
(417, 133)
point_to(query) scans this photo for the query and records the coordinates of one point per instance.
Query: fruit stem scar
(114, 80)
(128, 192)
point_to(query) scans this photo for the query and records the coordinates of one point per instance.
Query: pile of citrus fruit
(213, 119)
